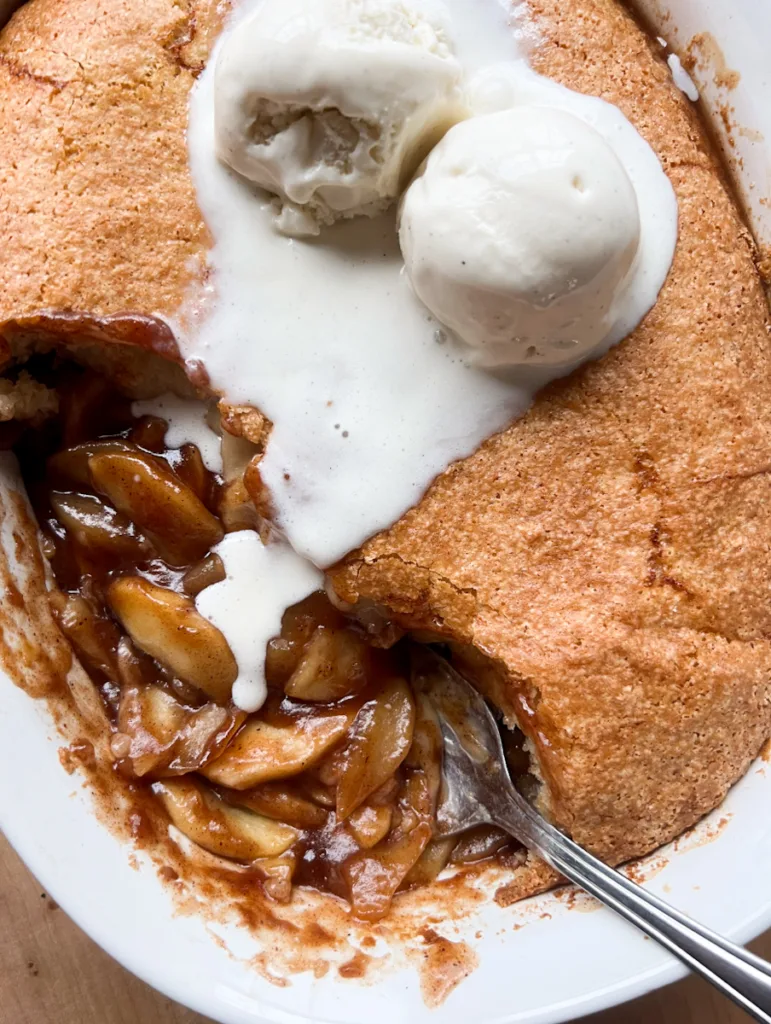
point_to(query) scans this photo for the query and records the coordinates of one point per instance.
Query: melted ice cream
(368, 396)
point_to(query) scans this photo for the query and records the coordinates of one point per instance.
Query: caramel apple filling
(334, 782)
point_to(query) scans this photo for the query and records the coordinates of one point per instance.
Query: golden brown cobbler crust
(97, 207)
(609, 552)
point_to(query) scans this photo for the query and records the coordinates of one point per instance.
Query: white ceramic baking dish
(564, 962)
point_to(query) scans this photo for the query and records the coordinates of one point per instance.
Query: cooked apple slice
(166, 738)
(223, 830)
(385, 794)
(327, 771)
(333, 665)
(370, 824)
(279, 801)
(426, 751)
(137, 670)
(150, 719)
(149, 432)
(373, 876)
(188, 465)
(415, 804)
(277, 874)
(432, 861)
(97, 526)
(205, 734)
(263, 751)
(143, 488)
(94, 637)
(281, 657)
(316, 791)
(381, 738)
(169, 628)
(71, 465)
(203, 574)
(298, 625)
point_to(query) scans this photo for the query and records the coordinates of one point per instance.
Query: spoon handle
(742, 976)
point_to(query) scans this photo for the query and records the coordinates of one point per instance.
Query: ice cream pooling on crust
(327, 338)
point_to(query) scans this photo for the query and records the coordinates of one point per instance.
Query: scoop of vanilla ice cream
(331, 104)
(520, 234)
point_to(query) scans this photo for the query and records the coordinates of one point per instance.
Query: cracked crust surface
(609, 553)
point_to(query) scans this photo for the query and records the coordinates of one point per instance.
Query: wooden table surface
(51, 973)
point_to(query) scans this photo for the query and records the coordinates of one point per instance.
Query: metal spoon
(477, 790)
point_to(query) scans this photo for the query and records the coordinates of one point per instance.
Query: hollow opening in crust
(334, 782)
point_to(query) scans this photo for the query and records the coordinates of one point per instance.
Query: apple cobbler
(333, 783)
(598, 555)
